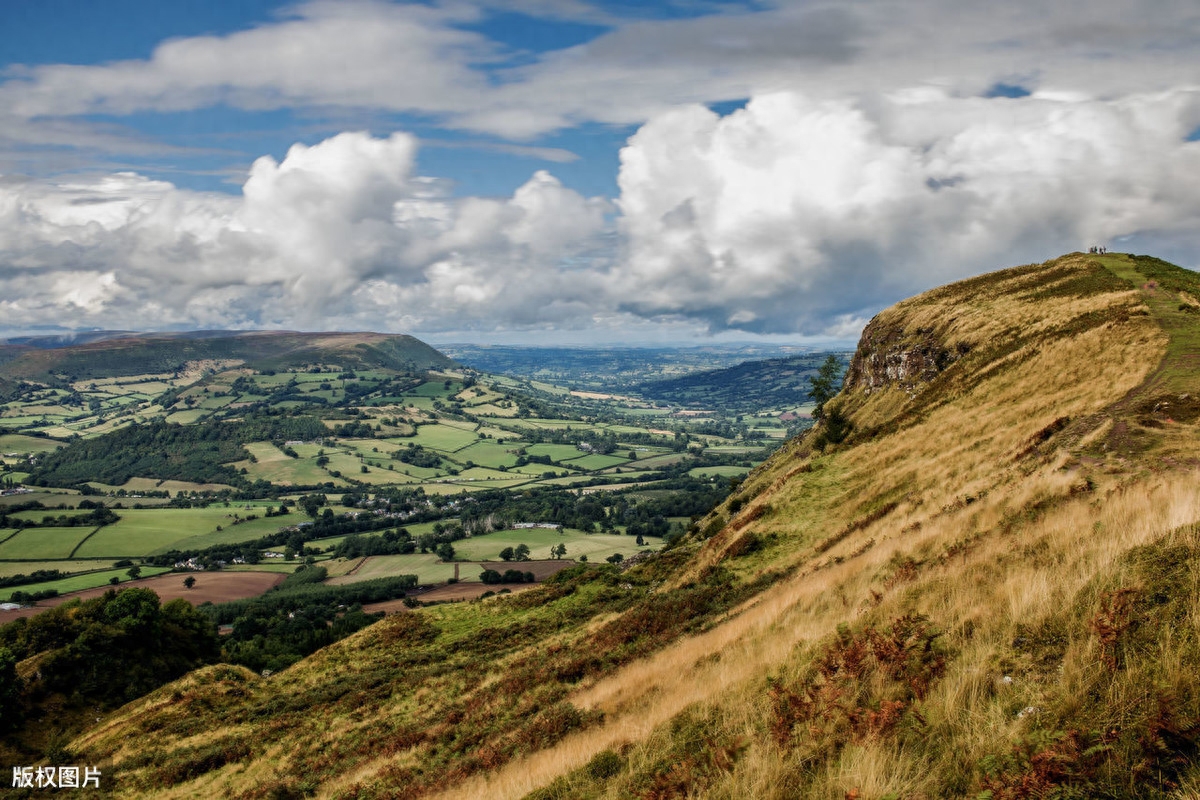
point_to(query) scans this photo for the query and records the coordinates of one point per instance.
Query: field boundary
(79, 544)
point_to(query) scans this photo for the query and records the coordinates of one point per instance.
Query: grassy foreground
(985, 584)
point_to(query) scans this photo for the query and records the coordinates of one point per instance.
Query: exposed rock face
(889, 355)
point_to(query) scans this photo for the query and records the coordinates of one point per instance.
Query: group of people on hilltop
(1097, 251)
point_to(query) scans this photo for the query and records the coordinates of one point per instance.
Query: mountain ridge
(167, 352)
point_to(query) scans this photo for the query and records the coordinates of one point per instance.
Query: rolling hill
(130, 354)
(778, 383)
(984, 580)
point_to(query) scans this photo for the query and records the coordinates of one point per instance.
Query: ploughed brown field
(215, 587)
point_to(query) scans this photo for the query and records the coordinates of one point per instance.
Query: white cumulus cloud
(800, 215)
(339, 234)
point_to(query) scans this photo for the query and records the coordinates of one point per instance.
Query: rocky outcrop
(890, 355)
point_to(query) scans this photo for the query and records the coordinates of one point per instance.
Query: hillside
(779, 383)
(167, 353)
(984, 579)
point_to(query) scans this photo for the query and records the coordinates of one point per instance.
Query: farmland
(191, 458)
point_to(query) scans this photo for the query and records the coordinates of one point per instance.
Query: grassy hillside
(986, 583)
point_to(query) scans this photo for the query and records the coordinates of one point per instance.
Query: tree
(558, 551)
(522, 552)
(189, 581)
(507, 554)
(615, 558)
(490, 576)
(10, 691)
(114, 580)
(134, 572)
(445, 551)
(825, 385)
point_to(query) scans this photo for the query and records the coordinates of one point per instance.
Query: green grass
(596, 546)
(722, 471)
(16, 443)
(434, 389)
(36, 515)
(77, 583)
(277, 467)
(595, 461)
(427, 567)
(43, 543)
(151, 530)
(557, 452)
(10, 568)
(487, 453)
(656, 462)
(446, 438)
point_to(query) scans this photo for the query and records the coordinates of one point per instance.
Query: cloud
(802, 215)
(341, 234)
(793, 215)
(438, 62)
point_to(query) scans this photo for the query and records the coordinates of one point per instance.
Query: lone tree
(189, 581)
(825, 385)
(507, 554)
(445, 551)
(134, 572)
(558, 551)
(522, 552)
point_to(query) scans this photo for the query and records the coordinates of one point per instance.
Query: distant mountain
(610, 368)
(50, 341)
(780, 383)
(55, 361)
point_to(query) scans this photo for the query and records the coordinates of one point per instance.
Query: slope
(776, 383)
(989, 582)
(165, 352)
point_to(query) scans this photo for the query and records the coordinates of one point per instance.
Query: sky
(568, 172)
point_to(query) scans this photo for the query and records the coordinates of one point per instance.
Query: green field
(153, 530)
(557, 452)
(596, 546)
(445, 438)
(10, 568)
(277, 467)
(427, 567)
(722, 471)
(595, 461)
(16, 443)
(77, 583)
(36, 544)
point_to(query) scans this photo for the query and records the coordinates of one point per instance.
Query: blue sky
(562, 170)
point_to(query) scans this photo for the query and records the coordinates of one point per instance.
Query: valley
(975, 576)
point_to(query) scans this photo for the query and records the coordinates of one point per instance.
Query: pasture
(596, 546)
(718, 472)
(595, 461)
(445, 438)
(40, 544)
(10, 568)
(556, 452)
(147, 531)
(17, 443)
